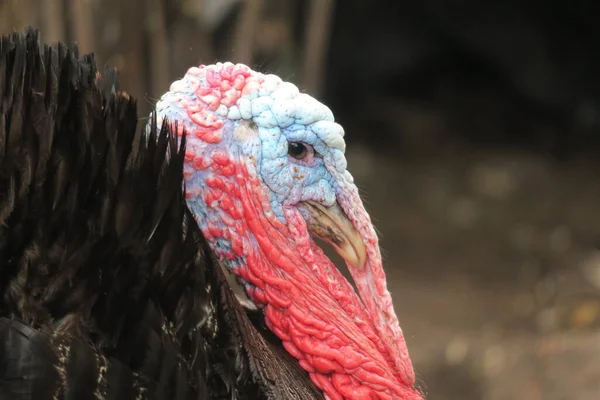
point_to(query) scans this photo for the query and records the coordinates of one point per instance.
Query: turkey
(115, 241)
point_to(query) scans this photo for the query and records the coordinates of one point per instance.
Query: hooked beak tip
(332, 225)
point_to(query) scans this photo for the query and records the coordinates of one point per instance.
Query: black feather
(107, 287)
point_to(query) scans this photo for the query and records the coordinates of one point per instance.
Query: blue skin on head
(256, 133)
(277, 118)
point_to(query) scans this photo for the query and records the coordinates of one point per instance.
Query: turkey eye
(297, 150)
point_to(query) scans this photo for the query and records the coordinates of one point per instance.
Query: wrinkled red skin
(307, 302)
(352, 348)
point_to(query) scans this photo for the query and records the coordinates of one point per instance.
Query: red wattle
(308, 303)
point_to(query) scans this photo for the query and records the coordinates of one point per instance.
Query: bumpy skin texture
(244, 191)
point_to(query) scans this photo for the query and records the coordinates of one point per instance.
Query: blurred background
(473, 129)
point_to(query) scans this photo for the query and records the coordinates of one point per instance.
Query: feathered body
(109, 289)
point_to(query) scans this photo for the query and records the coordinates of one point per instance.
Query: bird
(117, 241)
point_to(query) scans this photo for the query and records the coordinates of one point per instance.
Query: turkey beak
(332, 225)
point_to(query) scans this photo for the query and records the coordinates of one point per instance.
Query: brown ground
(493, 265)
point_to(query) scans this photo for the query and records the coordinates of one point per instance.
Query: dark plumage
(108, 288)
